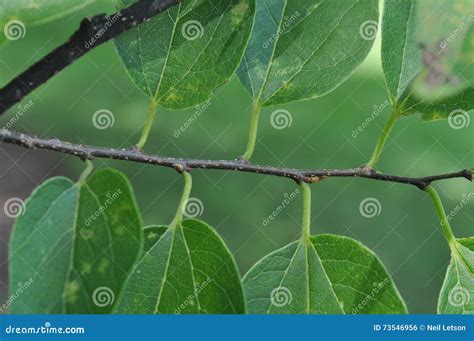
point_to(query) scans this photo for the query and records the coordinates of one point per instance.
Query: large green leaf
(16, 17)
(327, 274)
(75, 244)
(180, 57)
(189, 270)
(302, 49)
(427, 58)
(457, 293)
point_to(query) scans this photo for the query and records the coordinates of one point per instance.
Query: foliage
(91, 253)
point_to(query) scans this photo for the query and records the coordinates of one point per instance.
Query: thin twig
(86, 152)
(92, 32)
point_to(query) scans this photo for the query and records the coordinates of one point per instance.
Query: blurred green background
(405, 235)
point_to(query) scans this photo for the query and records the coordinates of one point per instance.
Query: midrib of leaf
(404, 50)
(285, 273)
(312, 54)
(227, 250)
(73, 248)
(191, 265)
(141, 60)
(165, 274)
(269, 68)
(333, 292)
(198, 57)
(168, 53)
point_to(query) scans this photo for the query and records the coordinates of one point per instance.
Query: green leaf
(75, 244)
(426, 58)
(401, 55)
(180, 57)
(189, 270)
(461, 104)
(327, 274)
(304, 49)
(16, 17)
(457, 293)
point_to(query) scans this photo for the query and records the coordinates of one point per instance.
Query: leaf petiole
(188, 184)
(443, 218)
(383, 138)
(254, 120)
(87, 171)
(306, 221)
(148, 124)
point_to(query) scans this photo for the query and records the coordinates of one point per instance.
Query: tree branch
(86, 152)
(92, 32)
